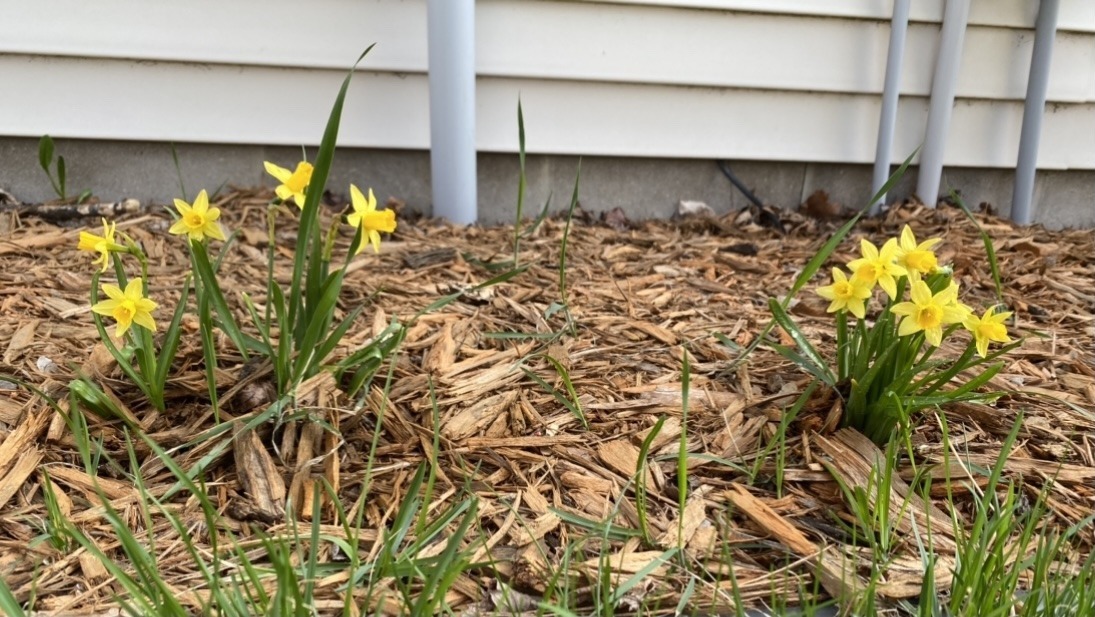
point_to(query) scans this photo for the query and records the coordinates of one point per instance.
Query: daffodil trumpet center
(921, 261)
(929, 317)
(126, 310)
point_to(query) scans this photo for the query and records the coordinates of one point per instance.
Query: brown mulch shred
(639, 296)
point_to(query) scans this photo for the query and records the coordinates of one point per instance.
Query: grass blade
(310, 210)
(791, 328)
(520, 183)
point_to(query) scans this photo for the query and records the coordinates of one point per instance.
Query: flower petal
(869, 250)
(280, 173)
(360, 204)
(908, 326)
(201, 202)
(113, 292)
(908, 240)
(934, 336)
(88, 241)
(213, 230)
(283, 193)
(106, 307)
(178, 228)
(379, 220)
(134, 290)
(354, 219)
(928, 244)
(903, 308)
(888, 284)
(921, 294)
(144, 319)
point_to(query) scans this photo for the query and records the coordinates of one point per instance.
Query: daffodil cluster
(364, 215)
(126, 307)
(294, 327)
(933, 302)
(128, 304)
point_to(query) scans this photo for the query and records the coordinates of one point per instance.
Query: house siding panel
(771, 80)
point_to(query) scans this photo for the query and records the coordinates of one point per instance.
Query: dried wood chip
(623, 456)
(833, 569)
(22, 438)
(22, 339)
(477, 416)
(113, 489)
(259, 476)
(680, 532)
(13, 480)
(441, 356)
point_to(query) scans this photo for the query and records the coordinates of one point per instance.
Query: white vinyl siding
(741, 79)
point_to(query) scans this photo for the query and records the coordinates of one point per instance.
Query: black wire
(725, 168)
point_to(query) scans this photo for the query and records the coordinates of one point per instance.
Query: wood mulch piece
(639, 294)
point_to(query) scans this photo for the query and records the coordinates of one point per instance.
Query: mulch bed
(640, 294)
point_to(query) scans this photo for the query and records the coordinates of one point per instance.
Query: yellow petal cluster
(988, 328)
(916, 257)
(846, 294)
(925, 311)
(293, 183)
(103, 245)
(197, 221)
(371, 221)
(127, 307)
(878, 266)
(928, 312)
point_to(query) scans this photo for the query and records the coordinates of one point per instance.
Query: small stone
(46, 365)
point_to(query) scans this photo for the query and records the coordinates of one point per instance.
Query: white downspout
(944, 84)
(1035, 109)
(451, 31)
(891, 91)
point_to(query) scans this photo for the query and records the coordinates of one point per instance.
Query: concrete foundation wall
(642, 187)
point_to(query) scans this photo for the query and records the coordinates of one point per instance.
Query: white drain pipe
(891, 91)
(944, 84)
(1037, 84)
(451, 31)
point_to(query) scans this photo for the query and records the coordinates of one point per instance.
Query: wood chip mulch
(639, 295)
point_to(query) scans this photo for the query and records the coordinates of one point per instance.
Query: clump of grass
(59, 179)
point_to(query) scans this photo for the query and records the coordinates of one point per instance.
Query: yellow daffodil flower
(103, 245)
(878, 266)
(127, 307)
(199, 220)
(917, 257)
(927, 312)
(293, 183)
(369, 219)
(988, 327)
(845, 294)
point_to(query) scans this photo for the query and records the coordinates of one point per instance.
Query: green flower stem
(209, 349)
(842, 345)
